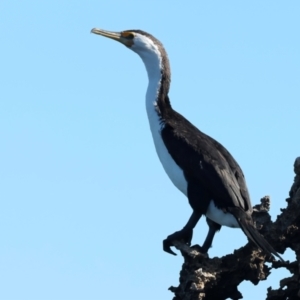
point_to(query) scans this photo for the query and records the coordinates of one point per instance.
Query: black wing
(238, 173)
(205, 160)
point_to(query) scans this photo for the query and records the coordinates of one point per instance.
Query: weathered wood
(218, 278)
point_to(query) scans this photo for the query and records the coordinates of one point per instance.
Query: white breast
(174, 172)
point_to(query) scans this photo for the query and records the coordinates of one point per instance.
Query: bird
(198, 165)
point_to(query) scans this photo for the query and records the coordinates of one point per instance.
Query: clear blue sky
(85, 203)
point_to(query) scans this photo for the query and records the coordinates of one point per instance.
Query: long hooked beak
(117, 36)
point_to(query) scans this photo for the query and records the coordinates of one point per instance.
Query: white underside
(172, 169)
(217, 215)
(150, 55)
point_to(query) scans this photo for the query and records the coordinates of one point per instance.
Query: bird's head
(146, 46)
(137, 40)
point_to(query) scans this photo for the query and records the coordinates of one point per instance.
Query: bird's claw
(167, 244)
(184, 235)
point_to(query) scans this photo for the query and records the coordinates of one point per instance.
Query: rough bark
(218, 278)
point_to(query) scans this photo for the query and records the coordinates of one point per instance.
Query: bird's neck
(158, 70)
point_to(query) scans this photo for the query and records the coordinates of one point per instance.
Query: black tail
(246, 223)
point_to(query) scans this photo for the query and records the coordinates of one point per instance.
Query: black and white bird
(199, 166)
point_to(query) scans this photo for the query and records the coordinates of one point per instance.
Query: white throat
(152, 59)
(151, 56)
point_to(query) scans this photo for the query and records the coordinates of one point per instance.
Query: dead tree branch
(218, 278)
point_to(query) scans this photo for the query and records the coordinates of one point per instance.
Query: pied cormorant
(199, 166)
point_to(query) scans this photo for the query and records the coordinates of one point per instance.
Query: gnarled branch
(218, 278)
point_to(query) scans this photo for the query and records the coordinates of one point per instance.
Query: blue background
(85, 203)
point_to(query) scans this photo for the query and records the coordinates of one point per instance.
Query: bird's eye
(127, 35)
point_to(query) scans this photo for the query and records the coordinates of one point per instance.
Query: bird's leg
(185, 234)
(213, 228)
